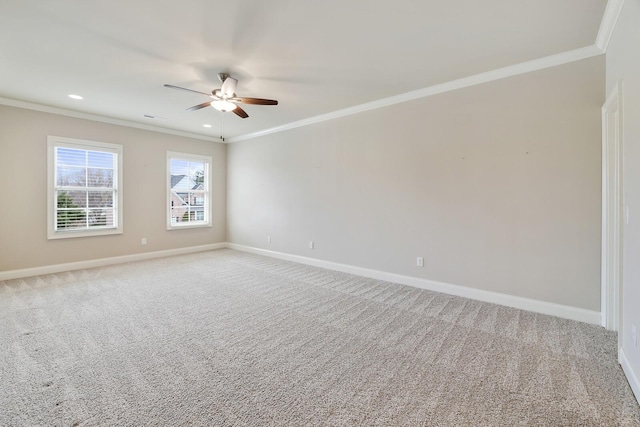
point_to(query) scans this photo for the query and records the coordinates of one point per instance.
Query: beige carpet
(225, 338)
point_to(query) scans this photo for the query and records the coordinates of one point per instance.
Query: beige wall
(497, 186)
(623, 64)
(23, 168)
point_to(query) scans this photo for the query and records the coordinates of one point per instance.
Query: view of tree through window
(84, 189)
(188, 190)
(68, 212)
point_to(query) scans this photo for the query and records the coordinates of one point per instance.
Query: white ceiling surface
(315, 57)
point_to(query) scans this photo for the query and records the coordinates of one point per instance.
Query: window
(84, 196)
(188, 184)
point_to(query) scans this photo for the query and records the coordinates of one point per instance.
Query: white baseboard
(634, 382)
(558, 310)
(57, 268)
(543, 307)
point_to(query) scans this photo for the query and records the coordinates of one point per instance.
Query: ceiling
(315, 57)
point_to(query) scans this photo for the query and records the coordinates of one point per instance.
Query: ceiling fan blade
(229, 87)
(188, 90)
(240, 112)
(258, 101)
(199, 106)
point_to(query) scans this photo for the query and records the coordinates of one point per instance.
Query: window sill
(182, 227)
(70, 234)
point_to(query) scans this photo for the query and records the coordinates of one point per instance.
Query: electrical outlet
(143, 241)
(268, 239)
(420, 261)
(634, 336)
(310, 244)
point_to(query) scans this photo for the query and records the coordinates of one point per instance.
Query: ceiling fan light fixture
(223, 106)
(224, 99)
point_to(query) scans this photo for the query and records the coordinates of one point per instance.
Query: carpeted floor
(225, 338)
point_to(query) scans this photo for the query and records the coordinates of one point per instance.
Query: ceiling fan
(225, 99)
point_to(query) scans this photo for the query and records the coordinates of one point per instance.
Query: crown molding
(489, 76)
(608, 24)
(103, 119)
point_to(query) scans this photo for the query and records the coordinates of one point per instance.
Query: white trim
(608, 23)
(631, 375)
(543, 307)
(552, 309)
(489, 76)
(102, 119)
(611, 259)
(101, 262)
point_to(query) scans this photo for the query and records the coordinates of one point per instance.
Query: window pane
(71, 218)
(69, 209)
(100, 218)
(179, 167)
(100, 199)
(70, 176)
(72, 199)
(71, 157)
(98, 159)
(196, 171)
(100, 178)
(181, 183)
(179, 214)
(196, 199)
(195, 168)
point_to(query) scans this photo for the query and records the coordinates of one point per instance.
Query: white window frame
(174, 225)
(57, 141)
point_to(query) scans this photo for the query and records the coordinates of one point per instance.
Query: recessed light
(72, 96)
(207, 126)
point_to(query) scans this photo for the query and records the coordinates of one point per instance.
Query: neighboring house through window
(84, 191)
(188, 181)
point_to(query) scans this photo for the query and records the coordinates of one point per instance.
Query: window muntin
(188, 183)
(84, 194)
